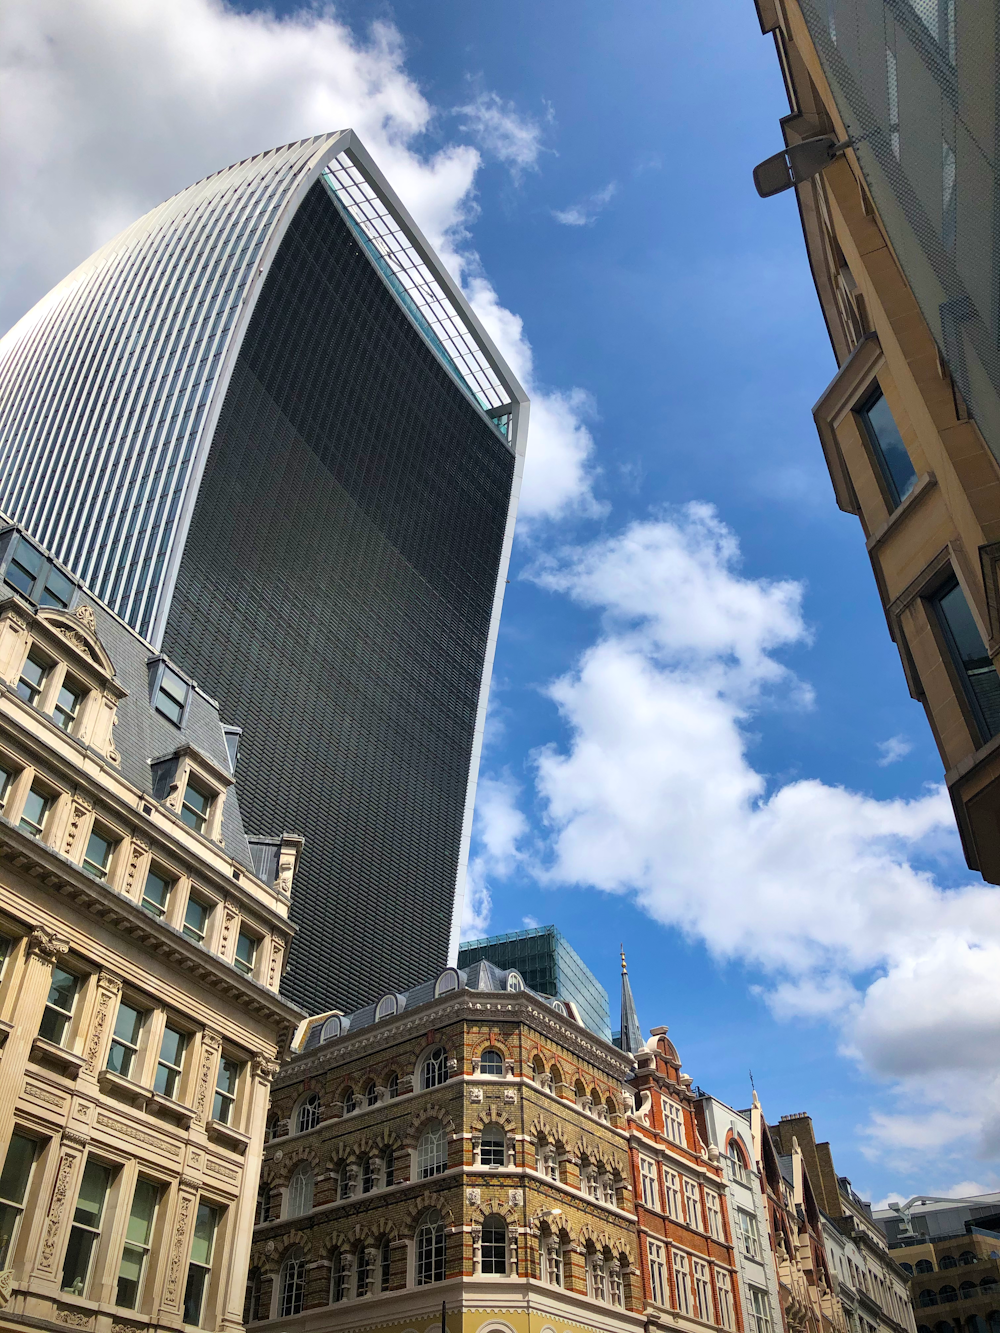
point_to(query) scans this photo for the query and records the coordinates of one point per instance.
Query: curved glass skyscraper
(265, 427)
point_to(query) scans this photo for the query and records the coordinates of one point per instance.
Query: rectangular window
(724, 1290)
(33, 674)
(749, 1237)
(86, 1229)
(67, 706)
(170, 1065)
(195, 808)
(36, 808)
(714, 1214)
(138, 1236)
(171, 696)
(888, 447)
(682, 1283)
(97, 857)
(673, 1122)
(702, 1291)
(246, 953)
(672, 1192)
(200, 1265)
(13, 1187)
(155, 893)
(58, 1012)
(657, 1273)
(24, 567)
(225, 1091)
(760, 1311)
(195, 920)
(6, 778)
(692, 1203)
(56, 590)
(969, 655)
(125, 1042)
(650, 1190)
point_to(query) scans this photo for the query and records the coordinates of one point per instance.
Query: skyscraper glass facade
(332, 512)
(549, 965)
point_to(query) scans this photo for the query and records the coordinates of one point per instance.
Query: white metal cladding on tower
(112, 383)
(344, 609)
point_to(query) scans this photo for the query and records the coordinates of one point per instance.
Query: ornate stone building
(140, 957)
(465, 1142)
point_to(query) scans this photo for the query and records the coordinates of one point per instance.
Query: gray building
(265, 426)
(549, 965)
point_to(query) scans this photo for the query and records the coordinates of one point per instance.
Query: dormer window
(170, 694)
(387, 1006)
(514, 982)
(195, 807)
(29, 572)
(33, 674)
(67, 705)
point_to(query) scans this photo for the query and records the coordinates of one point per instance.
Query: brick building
(464, 1142)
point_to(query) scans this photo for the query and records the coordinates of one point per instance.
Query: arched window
(597, 1285)
(371, 1094)
(494, 1245)
(251, 1303)
(493, 1146)
(368, 1181)
(968, 1289)
(432, 1151)
(491, 1062)
(514, 981)
(737, 1158)
(545, 1155)
(337, 1275)
(616, 1294)
(429, 1249)
(551, 1260)
(333, 1027)
(344, 1183)
(948, 1261)
(579, 1090)
(301, 1187)
(947, 1294)
(309, 1113)
(291, 1285)
(364, 1271)
(263, 1206)
(350, 1101)
(611, 1106)
(924, 1266)
(447, 981)
(559, 1007)
(607, 1182)
(386, 1007)
(435, 1069)
(384, 1265)
(987, 1285)
(907, 1268)
(967, 1257)
(271, 1127)
(388, 1167)
(927, 1298)
(393, 1086)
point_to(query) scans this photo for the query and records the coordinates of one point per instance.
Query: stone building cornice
(44, 864)
(469, 1006)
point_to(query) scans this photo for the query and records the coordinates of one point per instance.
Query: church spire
(631, 1038)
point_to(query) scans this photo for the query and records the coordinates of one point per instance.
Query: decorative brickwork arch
(417, 1125)
(281, 1171)
(292, 1240)
(591, 1233)
(492, 1042)
(494, 1115)
(490, 1207)
(542, 1127)
(375, 1141)
(416, 1208)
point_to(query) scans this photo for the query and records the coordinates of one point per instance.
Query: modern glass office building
(549, 965)
(266, 427)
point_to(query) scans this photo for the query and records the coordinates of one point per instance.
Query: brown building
(960, 1273)
(140, 957)
(688, 1262)
(464, 1142)
(902, 240)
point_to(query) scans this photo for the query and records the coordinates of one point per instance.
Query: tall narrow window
(59, 1006)
(746, 1226)
(672, 1191)
(388, 1168)
(33, 674)
(226, 1082)
(385, 1265)
(336, 1277)
(195, 807)
(138, 1236)
(982, 684)
(429, 1247)
(673, 1122)
(551, 1258)
(301, 1188)
(37, 805)
(494, 1245)
(597, 1282)
(657, 1273)
(13, 1187)
(309, 1114)
(170, 1065)
(692, 1203)
(67, 705)
(246, 953)
(292, 1285)
(125, 1042)
(364, 1271)
(702, 1291)
(714, 1214)
(760, 1311)
(171, 696)
(86, 1229)
(888, 447)
(682, 1282)
(737, 1166)
(6, 778)
(493, 1146)
(200, 1265)
(155, 893)
(432, 1151)
(724, 1290)
(195, 920)
(435, 1069)
(97, 857)
(650, 1185)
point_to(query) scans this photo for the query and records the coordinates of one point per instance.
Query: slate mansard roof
(481, 976)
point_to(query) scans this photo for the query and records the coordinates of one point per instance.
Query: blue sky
(688, 704)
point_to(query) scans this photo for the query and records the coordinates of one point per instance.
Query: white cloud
(892, 750)
(825, 890)
(113, 105)
(529, 922)
(503, 132)
(497, 832)
(585, 212)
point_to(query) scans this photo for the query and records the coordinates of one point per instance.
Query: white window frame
(657, 1272)
(682, 1282)
(692, 1205)
(672, 1193)
(649, 1181)
(673, 1122)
